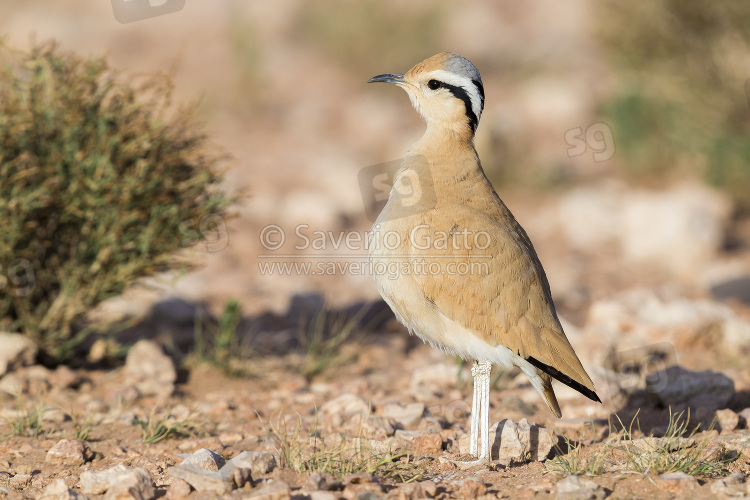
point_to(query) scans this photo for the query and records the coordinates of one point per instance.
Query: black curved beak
(390, 78)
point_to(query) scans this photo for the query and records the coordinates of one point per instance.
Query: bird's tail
(549, 395)
(542, 382)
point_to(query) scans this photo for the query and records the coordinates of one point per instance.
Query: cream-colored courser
(468, 280)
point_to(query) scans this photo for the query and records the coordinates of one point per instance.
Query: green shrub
(100, 184)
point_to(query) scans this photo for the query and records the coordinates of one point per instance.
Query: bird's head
(445, 89)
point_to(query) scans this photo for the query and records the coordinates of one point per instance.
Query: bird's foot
(468, 464)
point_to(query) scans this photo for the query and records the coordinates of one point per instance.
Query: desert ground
(256, 377)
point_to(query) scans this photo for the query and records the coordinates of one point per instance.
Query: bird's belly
(402, 289)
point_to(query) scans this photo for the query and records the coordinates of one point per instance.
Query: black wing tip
(558, 375)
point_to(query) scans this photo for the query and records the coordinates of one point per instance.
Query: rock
(368, 491)
(258, 462)
(457, 411)
(205, 459)
(341, 409)
(119, 482)
(727, 420)
(203, 480)
(676, 482)
(676, 385)
(422, 442)
(579, 488)
(275, 490)
(732, 486)
(517, 443)
(471, 488)
(67, 452)
(376, 426)
(318, 481)
(323, 495)
(20, 481)
(414, 491)
(64, 378)
(230, 438)
(150, 370)
(233, 474)
(405, 416)
(744, 417)
(177, 490)
(58, 490)
(15, 351)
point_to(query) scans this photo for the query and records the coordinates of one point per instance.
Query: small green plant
(303, 452)
(157, 428)
(322, 336)
(27, 423)
(101, 183)
(574, 459)
(82, 424)
(677, 451)
(222, 344)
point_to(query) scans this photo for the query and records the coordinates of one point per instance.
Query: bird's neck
(451, 134)
(454, 166)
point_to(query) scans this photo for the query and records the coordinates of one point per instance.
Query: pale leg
(480, 415)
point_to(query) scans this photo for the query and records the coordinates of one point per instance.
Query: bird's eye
(433, 84)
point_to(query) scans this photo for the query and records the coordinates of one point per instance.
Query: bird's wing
(502, 294)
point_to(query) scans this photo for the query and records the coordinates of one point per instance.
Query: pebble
(203, 480)
(404, 415)
(16, 350)
(517, 442)
(732, 486)
(64, 378)
(150, 370)
(20, 480)
(323, 495)
(274, 490)
(471, 488)
(579, 488)
(67, 452)
(727, 419)
(205, 459)
(58, 490)
(177, 490)
(414, 491)
(259, 462)
(675, 482)
(362, 490)
(745, 418)
(119, 480)
(341, 409)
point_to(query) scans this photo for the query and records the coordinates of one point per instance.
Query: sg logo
(128, 11)
(598, 137)
(405, 187)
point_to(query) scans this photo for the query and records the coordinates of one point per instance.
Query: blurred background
(618, 136)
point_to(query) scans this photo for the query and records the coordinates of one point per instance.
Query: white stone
(205, 459)
(15, 351)
(118, 481)
(150, 370)
(58, 490)
(405, 415)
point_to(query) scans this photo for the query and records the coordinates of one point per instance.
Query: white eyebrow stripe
(466, 83)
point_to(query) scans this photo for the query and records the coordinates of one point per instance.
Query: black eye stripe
(460, 93)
